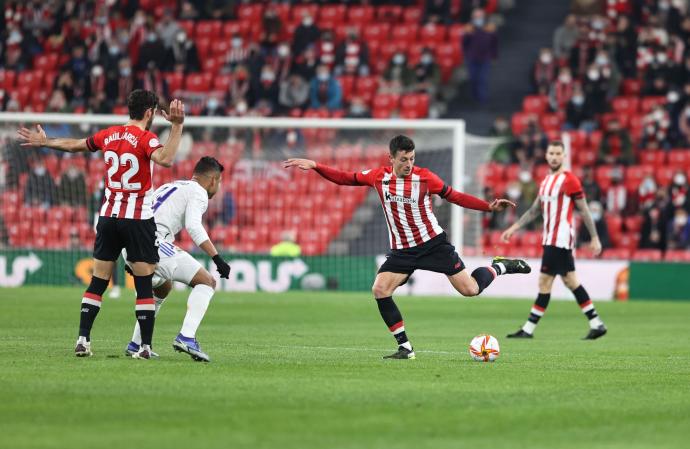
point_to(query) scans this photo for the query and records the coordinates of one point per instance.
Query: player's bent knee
(203, 277)
(380, 291)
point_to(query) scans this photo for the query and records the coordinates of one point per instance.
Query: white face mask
(680, 220)
(283, 51)
(525, 176)
(513, 193)
(662, 58)
(679, 179)
(322, 76)
(593, 75)
(236, 42)
(578, 99)
(40, 171)
(596, 215)
(565, 78)
(307, 21)
(398, 59)
(241, 107)
(672, 96)
(602, 60)
(546, 58)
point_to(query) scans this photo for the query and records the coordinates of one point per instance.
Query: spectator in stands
(239, 87)
(597, 212)
(531, 144)
(683, 126)
(188, 11)
(678, 236)
(4, 240)
(99, 104)
(480, 46)
(306, 63)
(287, 247)
(183, 54)
(325, 49)
(678, 192)
(398, 76)
(358, 109)
(528, 191)
(609, 73)
(595, 89)
(616, 194)
(294, 93)
(58, 102)
(265, 89)
(39, 187)
(565, 37)
(167, 28)
(272, 24)
(120, 88)
(72, 189)
(653, 232)
(79, 66)
(151, 50)
(352, 56)
(589, 185)
(646, 192)
(427, 74)
(281, 62)
(238, 53)
(579, 112)
(325, 90)
(616, 145)
(544, 72)
(502, 151)
(306, 34)
(437, 11)
(15, 58)
(626, 47)
(152, 79)
(561, 90)
(581, 55)
(656, 125)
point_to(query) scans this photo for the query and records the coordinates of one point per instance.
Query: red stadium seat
(648, 103)
(232, 28)
(220, 47)
(412, 14)
(679, 158)
(332, 13)
(450, 50)
(210, 29)
(299, 10)
(648, 255)
(540, 172)
(366, 87)
(30, 79)
(46, 62)
(535, 104)
(386, 101)
(347, 83)
(7, 78)
(389, 13)
(631, 87)
(664, 175)
(628, 240)
(519, 121)
(634, 175)
(175, 80)
(655, 158)
(455, 33)
(203, 46)
(377, 32)
(419, 103)
(633, 223)
(362, 15)
(614, 223)
(677, 255)
(432, 35)
(403, 34)
(198, 82)
(616, 254)
(212, 64)
(551, 121)
(626, 105)
(222, 82)
(250, 12)
(585, 156)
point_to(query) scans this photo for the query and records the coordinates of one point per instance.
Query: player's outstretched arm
(165, 155)
(334, 175)
(37, 138)
(595, 244)
(531, 213)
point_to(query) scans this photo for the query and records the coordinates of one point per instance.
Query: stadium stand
(618, 83)
(378, 59)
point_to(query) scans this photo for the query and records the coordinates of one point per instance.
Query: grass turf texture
(304, 370)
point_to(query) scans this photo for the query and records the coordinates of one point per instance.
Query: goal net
(49, 199)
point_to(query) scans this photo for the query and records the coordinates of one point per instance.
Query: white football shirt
(177, 205)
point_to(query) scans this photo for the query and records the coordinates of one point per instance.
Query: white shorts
(174, 265)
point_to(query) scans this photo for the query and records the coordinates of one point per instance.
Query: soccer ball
(484, 348)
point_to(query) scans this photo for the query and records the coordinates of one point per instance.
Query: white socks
(529, 327)
(197, 304)
(136, 336)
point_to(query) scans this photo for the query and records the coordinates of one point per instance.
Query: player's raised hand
(304, 164)
(595, 245)
(499, 204)
(176, 114)
(32, 138)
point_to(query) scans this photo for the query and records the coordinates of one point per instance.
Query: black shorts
(138, 237)
(433, 255)
(557, 261)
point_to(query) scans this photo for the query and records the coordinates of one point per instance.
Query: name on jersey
(398, 199)
(129, 137)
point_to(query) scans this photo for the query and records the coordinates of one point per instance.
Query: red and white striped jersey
(558, 193)
(406, 204)
(128, 185)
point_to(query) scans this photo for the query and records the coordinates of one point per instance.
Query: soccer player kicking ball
(417, 241)
(177, 205)
(558, 192)
(126, 217)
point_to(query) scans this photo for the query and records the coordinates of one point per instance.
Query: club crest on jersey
(398, 199)
(129, 137)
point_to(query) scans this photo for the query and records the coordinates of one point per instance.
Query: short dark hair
(139, 101)
(208, 165)
(557, 143)
(400, 143)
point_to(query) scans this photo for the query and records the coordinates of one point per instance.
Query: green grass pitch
(304, 370)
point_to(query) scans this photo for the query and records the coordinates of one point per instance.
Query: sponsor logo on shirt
(398, 199)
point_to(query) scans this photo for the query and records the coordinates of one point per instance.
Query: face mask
(114, 50)
(241, 107)
(151, 37)
(525, 176)
(602, 60)
(212, 103)
(578, 99)
(125, 71)
(661, 58)
(679, 180)
(283, 51)
(307, 21)
(513, 193)
(72, 173)
(478, 22)
(596, 215)
(40, 171)
(181, 37)
(426, 59)
(398, 59)
(598, 25)
(322, 76)
(236, 42)
(546, 58)
(680, 220)
(565, 78)
(687, 113)
(658, 115)
(268, 76)
(593, 75)
(664, 6)
(97, 70)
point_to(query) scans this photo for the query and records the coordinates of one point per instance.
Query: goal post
(265, 199)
